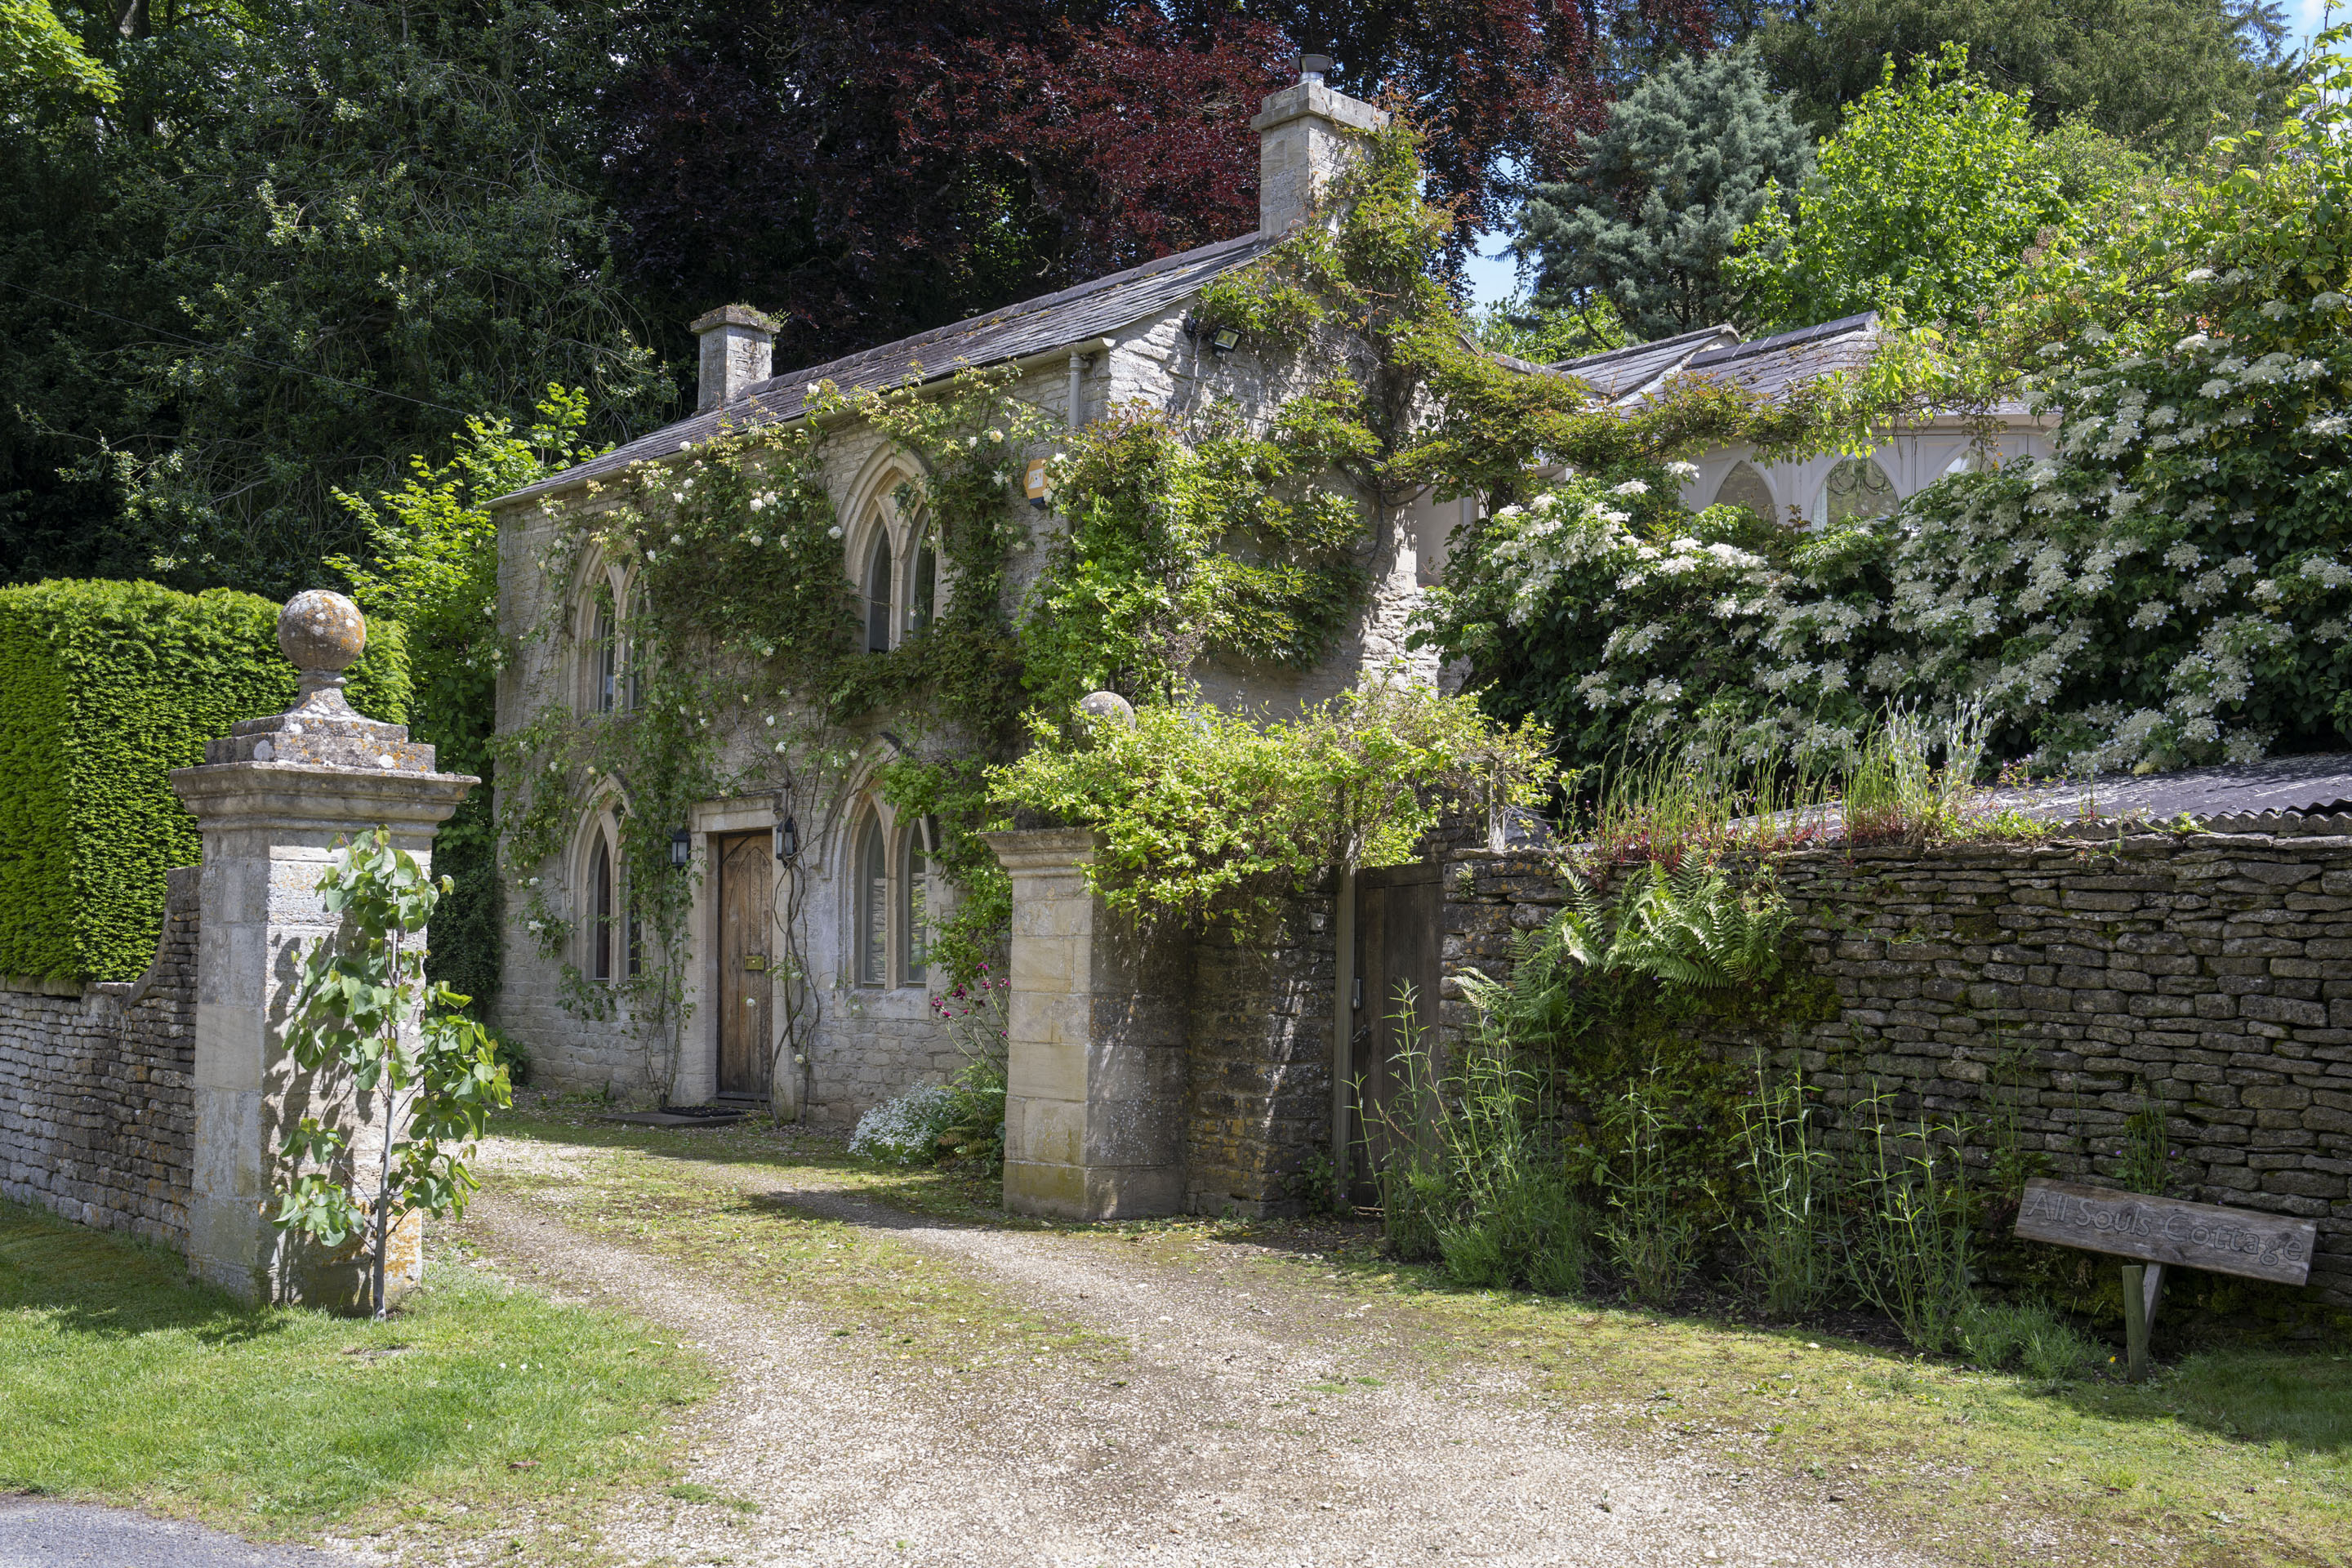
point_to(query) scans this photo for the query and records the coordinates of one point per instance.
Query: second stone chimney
(1304, 141)
(738, 350)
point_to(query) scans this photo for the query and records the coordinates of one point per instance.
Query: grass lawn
(476, 1409)
(2229, 1459)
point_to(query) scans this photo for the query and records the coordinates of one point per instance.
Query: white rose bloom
(2201, 275)
(1631, 487)
(1683, 473)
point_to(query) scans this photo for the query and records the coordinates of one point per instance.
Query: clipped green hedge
(105, 688)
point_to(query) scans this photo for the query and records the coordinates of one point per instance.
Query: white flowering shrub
(2174, 586)
(906, 1131)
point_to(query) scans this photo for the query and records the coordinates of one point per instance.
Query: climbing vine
(741, 659)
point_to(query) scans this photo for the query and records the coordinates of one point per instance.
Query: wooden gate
(1397, 913)
(744, 989)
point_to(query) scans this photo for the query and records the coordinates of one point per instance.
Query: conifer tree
(1685, 160)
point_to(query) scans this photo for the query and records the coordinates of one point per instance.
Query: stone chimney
(738, 350)
(1305, 136)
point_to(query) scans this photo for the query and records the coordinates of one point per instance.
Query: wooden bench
(2164, 1231)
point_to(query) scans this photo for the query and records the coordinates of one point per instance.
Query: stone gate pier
(158, 1106)
(273, 798)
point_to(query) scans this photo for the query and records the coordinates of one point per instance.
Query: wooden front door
(1397, 911)
(745, 996)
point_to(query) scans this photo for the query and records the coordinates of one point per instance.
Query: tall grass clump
(1793, 1180)
(1895, 792)
(1908, 1250)
(1652, 1234)
(1475, 1179)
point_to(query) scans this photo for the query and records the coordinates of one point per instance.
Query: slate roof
(1769, 366)
(1619, 374)
(1091, 310)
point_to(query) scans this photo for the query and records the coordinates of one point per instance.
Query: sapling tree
(419, 1067)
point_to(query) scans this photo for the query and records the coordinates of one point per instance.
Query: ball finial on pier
(321, 634)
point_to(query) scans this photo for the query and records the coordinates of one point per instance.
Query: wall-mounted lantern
(788, 840)
(681, 849)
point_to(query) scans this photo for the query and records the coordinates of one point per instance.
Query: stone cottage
(862, 877)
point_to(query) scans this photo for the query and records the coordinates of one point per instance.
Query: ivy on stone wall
(1175, 540)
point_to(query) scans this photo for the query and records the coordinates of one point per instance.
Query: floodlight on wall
(681, 849)
(1225, 341)
(788, 840)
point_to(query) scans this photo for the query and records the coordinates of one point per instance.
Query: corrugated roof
(1091, 310)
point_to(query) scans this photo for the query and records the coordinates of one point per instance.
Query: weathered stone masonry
(2211, 972)
(95, 1104)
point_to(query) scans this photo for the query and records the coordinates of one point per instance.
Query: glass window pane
(1745, 487)
(921, 601)
(607, 661)
(874, 907)
(915, 915)
(600, 912)
(878, 598)
(1857, 487)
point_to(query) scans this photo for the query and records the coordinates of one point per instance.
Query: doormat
(678, 1116)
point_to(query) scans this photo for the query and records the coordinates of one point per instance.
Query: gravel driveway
(1211, 1445)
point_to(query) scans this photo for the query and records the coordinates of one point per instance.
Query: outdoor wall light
(681, 849)
(1222, 341)
(788, 840)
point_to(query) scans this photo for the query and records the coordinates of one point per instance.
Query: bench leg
(2141, 1283)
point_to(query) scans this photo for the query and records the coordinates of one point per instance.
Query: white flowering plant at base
(2174, 586)
(906, 1131)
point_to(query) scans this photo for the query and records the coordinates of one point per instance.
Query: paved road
(35, 1532)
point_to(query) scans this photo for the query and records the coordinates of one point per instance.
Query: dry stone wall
(2209, 974)
(96, 1109)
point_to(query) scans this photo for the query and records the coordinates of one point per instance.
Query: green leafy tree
(37, 51)
(433, 565)
(420, 1071)
(1927, 199)
(307, 241)
(1688, 158)
(1545, 334)
(2162, 75)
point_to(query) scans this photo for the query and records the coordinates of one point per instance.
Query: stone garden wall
(97, 1108)
(2210, 972)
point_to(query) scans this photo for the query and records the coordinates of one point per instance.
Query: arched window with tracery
(1856, 489)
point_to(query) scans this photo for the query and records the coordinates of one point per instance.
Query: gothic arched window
(923, 588)
(1857, 487)
(1745, 487)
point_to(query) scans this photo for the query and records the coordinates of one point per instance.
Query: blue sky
(1492, 277)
